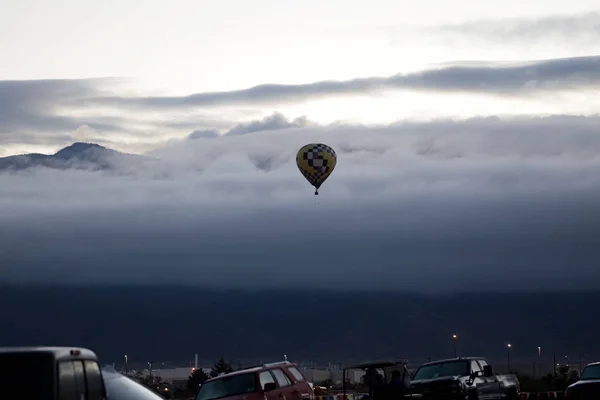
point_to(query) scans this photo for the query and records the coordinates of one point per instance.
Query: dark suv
(51, 373)
(274, 381)
(588, 385)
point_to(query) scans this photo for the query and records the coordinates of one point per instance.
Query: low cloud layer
(275, 122)
(53, 113)
(484, 204)
(28, 108)
(497, 79)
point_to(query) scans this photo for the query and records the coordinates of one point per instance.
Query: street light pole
(454, 340)
(540, 359)
(508, 356)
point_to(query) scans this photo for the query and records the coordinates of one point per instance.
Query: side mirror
(476, 374)
(487, 371)
(270, 386)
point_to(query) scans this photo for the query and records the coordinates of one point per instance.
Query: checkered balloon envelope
(316, 162)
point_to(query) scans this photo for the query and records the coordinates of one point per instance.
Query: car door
(285, 387)
(264, 378)
(95, 383)
(490, 385)
(71, 381)
(300, 383)
(485, 388)
(80, 379)
(478, 382)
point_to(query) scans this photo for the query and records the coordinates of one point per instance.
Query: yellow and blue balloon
(316, 162)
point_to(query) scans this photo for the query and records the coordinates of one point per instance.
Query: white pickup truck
(52, 373)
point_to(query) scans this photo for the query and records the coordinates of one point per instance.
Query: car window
(95, 386)
(67, 384)
(475, 367)
(483, 363)
(79, 376)
(228, 386)
(591, 372)
(443, 369)
(281, 378)
(296, 374)
(38, 380)
(264, 378)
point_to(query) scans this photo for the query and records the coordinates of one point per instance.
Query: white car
(120, 387)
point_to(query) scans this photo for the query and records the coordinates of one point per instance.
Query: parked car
(378, 377)
(463, 378)
(273, 381)
(65, 373)
(588, 385)
(120, 387)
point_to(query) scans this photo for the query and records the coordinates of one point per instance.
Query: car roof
(376, 364)
(593, 364)
(58, 352)
(109, 375)
(255, 369)
(454, 359)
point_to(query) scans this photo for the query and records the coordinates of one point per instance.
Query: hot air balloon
(316, 162)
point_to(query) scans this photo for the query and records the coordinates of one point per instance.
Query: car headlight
(456, 387)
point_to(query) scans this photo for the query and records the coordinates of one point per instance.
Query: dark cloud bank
(38, 109)
(161, 323)
(507, 80)
(483, 205)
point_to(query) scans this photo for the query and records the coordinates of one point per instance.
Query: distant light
(455, 336)
(509, 345)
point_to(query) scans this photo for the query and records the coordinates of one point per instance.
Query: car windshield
(227, 386)
(32, 373)
(119, 387)
(439, 370)
(591, 372)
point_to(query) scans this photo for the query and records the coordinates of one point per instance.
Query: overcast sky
(467, 141)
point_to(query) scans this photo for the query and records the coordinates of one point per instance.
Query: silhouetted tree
(197, 378)
(220, 367)
(151, 382)
(531, 384)
(563, 378)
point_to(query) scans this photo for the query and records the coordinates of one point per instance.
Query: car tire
(512, 395)
(472, 395)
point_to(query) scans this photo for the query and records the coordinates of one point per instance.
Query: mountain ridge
(78, 155)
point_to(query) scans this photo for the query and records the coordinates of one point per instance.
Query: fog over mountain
(487, 204)
(84, 156)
